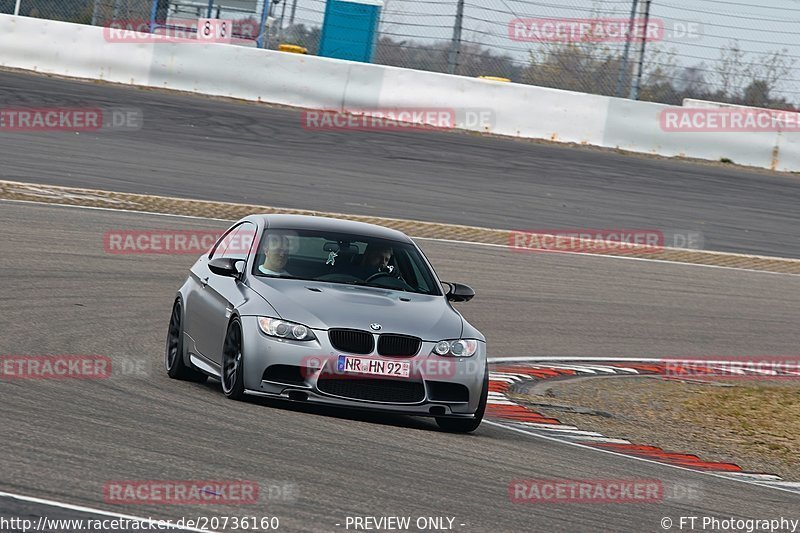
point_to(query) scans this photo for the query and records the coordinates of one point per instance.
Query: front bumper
(430, 372)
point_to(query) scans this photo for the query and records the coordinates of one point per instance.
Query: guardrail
(321, 83)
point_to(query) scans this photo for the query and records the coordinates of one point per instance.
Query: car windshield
(317, 255)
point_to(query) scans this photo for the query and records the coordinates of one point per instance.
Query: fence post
(153, 11)
(16, 8)
(634, 94)
(455, 45)
(262, 30)
(95, 12)
(280, 26)
(623, 68)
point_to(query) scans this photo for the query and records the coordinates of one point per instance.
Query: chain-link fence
(657, 50)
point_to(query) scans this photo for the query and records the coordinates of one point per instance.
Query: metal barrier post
(95, 12)
(455, 43)
(262, 30)
(634, 94)
(16, 8)
(623, 68)
(153, 11)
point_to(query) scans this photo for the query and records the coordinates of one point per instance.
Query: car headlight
(457, 348)
(283, 329)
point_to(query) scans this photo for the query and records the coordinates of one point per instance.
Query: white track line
(449, 241)
(751, 475)
(509, 375)
(100, 512)
(502, 379)
(555, 430)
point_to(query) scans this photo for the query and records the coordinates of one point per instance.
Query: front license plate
(374, 367)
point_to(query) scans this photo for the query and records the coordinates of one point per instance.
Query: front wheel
(467, 425)
(232, 362)
(173, 356)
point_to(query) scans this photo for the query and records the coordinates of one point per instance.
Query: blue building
(350, 29)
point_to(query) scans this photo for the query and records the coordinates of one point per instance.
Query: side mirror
(224, 266)
(459, 292)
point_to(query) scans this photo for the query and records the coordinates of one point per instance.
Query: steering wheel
(380, 274)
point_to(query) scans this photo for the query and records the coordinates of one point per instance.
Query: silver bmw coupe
(329, 311)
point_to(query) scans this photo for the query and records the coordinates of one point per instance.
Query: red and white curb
(507, 372)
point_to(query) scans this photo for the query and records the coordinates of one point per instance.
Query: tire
(467, 425)
(173, 355)
(233, 362)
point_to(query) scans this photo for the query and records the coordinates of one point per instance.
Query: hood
(322, 305)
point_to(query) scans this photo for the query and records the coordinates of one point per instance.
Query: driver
(276, 254)
(375, 259)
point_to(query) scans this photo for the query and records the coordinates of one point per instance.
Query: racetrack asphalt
(63, 440)
(197, 147)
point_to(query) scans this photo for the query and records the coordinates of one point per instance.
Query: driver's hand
(392, 271)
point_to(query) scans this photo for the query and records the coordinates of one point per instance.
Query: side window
(222, 244)
(236, 243)
(239, 241)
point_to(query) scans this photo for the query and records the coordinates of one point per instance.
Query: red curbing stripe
(517, 412)
(541, 373)
(533, 419)
(545, 373)
(566, 371)
(498, 386)
(681, 459)
(651, 369)
(691, 370)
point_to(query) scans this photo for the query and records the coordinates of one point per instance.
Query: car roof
(338, 225)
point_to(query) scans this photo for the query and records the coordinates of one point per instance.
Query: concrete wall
(321, 83)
